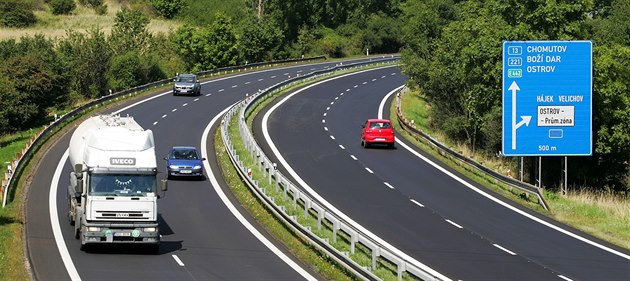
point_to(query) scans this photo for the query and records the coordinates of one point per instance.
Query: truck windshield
(122, 185)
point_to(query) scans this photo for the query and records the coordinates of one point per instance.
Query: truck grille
(122, 215)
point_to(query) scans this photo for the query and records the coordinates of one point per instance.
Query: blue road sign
(547, 98)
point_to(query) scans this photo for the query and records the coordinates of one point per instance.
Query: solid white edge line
(496, 200)
(329, 206)
(177, 260)
(454, 224)
(504, 249)
(54, 221)
(232, 208)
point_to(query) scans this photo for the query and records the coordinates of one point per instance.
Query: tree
(87, 57)
(130, 32)
(167, 8)
(259, 39)
(16, 13)
(62, 7)
(126, 71)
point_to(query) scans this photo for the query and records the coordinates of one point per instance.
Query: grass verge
(602, 215)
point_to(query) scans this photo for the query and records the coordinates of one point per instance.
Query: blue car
(184, 161)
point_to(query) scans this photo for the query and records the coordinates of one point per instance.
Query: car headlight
(197, 167)
(173, 167)
(93, 229)
(150, 229)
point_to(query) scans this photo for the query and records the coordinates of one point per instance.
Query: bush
(62, 7)
(167, 8)
(16, 13)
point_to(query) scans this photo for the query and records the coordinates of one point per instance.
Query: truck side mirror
(76, 182)
(164, 185)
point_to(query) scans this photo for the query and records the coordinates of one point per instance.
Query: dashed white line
(453, 223)
(164, 116)
(323, 120)
(353, 158)
(185, 104)
(347, 90)
(336, 98)
(299, 71)
(327, 108)
(234, 86)
(221, 90)
(394, 73)
(565, 278)
(174, 109)
(332, 102)
(325, 114)
(312, 68)
(369, 171)
(417, 203)
(260, 79)
(247, 83)
(373, 79)
(332, 137)
(364, 83)
(383, 76)
(389, 185)
(208, 95)
(178, 260)
(286, 74)
(196, 99)
(273, 76)
(504, 249)
(326, 129)
(341, 146)
(356, 86)
(341, 94)
(155, 123)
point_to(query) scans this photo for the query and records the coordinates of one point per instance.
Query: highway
(205, 235)
(409, 199)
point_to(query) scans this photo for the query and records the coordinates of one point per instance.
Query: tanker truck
(112, 196)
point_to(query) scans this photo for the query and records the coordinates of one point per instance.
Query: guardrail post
(335, 227)
(375, 254)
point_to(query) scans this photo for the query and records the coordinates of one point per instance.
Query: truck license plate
(122, 234)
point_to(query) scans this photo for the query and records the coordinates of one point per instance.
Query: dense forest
(451, 50)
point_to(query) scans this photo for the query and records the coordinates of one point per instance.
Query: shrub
(16, 13)
(167, 8)
(62, 7)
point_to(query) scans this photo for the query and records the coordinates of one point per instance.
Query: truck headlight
(93, 229)
(150, 229)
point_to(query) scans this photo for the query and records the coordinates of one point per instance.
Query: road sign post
(550, 82)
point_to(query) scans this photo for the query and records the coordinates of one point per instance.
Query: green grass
(602, 215)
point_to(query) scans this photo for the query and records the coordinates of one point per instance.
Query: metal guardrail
(305, 200)
(28, 150)
(406, 125)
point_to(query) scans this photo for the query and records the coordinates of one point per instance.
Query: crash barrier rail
(447, 152)
(14, 166)
(303, 200)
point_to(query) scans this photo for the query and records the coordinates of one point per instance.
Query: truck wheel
(77, 227)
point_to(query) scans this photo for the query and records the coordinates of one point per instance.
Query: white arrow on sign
(525, 119)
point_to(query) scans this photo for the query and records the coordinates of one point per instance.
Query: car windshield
(122, 185)
(189, 154)
(186, 79)
(380, 125)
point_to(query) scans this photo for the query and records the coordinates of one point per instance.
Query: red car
(378, 131)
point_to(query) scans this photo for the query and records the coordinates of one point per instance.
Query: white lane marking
(496, 200)
(373, 79)
(336, 98)
(341, 146)
(353, 157)
(389, 185)
(323, 120)
(232, 208)
(234, 86)
(326, 129)
(221, 90)
(504, 249)
(393, 73)
(417, 203)
(54, 220)
(185, 104)
(260, 79)
(383, 76)
(155, 123)
(356, 86)
(341, 94)
(247, 83)
(208, 95)
(364, 83)
(176, 258)
(299, 71)
(453, 223)
(273, 76)
(565, 278)
(164, 116)
(318, 197)
(286, 74)
(369, 171)
(347, 90)
(327, 108)
(332, 102)
(196, 99)
(312, 68)
(332, 137)
(325, 114)
(174, 109)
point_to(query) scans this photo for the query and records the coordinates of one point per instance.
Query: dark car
(378, 131)
(186, 84)
(184, 161)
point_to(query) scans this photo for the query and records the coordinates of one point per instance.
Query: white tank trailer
(112, 196)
